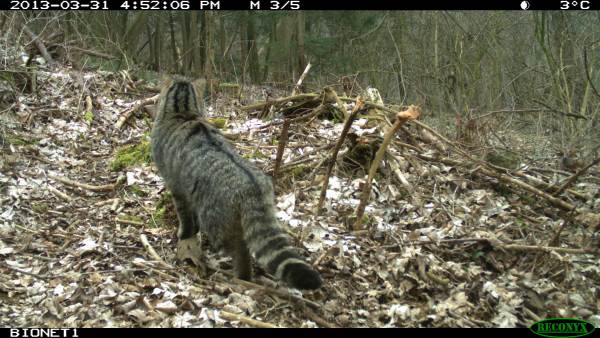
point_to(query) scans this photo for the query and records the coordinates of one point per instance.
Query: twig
(319, 320)
(281, 147)
(93, 53)
(59, 193)
(548, 249)
(140, 103)
(246, 320)
(39, 44)
(555, 239)
(95, 188)
(336, 150)
(509, 181)
(509, 246)
(25, 272)
(301, 79)
(427, 274)
(152, 252)
(279, 293)
(412, 113)
(572, 179)
(449, 241)
(128, 221)
(262, 105)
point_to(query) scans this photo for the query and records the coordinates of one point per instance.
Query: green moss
(218, 122)
(88, 117)
(164, 212)
(137, 190)
(503, 159)
(256, 154)
(19, 141)
(40, 207)
(131, 155)
(527, 199)
(300, 171)
(521, 223)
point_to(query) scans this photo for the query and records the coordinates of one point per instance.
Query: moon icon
(524, 5)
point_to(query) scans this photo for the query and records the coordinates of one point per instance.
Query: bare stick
(301, 79)
(572, 179)
(95, 188)
(317, 319)
(39, 44)
(535, 248)
(262, 105)
(59, 193)
(281, 146)
(336, 150)
(139, 104)
(25, 272)
(93, 53)
(524, 186)
(279, 293)
(512, 247)
(129, 221)
(246, 320)
(412, 113)
(152, 252)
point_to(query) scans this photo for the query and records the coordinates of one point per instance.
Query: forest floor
(445, 245)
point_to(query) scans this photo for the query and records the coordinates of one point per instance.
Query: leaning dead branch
(574, 177)
(38, 44)
(412, 113)
(338, 145)
(139, 104)
(301, 79)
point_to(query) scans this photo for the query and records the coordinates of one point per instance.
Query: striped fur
(218, 192)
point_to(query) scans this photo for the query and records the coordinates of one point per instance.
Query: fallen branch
(279, 293)
(95, 188)
(574, 177)
(509, 181)
(499, 245)
(93, 53)
(127, 113)
(524, 186)
(263, 105)
(246, 320)
(152, 252)
(59, 193)
(39, 45)
(129, 221)
(317, 319)
(25, 272)
(336, 149)
(411, 113)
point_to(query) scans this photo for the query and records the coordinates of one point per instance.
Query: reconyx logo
(562, 327)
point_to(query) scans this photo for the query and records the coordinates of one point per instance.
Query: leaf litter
(73, 257)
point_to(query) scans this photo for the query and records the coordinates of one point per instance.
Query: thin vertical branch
(283, 138)
(357, 107)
